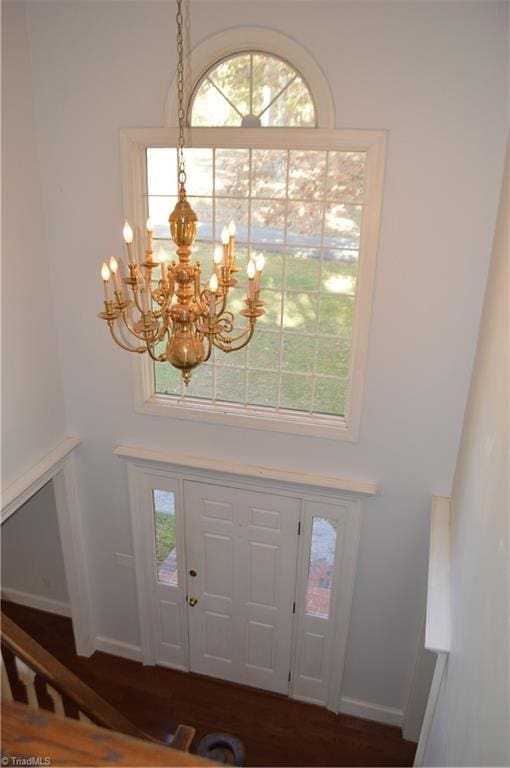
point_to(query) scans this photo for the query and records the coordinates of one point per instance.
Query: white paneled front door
(241, 553)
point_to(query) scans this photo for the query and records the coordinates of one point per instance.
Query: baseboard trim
(370, 711)
(36, 601)
(118, 648)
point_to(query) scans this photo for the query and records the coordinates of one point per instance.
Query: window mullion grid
(226, 98)
(251, 83)
(284, 277)
(247, 364)
(248, 370)
(213, 213)
(323, 224)
(294, 334)
(280, 93)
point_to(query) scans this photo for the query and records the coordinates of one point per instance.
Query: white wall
(32, 561)
(434, 75)
(33, 409)
(472, 723)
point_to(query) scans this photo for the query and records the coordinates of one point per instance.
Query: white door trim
(58, 465)
(351, 504)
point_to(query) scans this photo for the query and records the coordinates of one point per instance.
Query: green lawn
(165, 535)
(324, 306)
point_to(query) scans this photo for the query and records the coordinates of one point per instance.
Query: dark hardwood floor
(276, 731)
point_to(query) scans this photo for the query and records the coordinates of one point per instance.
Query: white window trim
(133, 147)
(248, 39)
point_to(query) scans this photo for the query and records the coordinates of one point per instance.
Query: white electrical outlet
(126, 561)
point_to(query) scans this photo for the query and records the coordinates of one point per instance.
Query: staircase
(33, 679)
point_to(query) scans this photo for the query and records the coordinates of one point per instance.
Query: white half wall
(32, 561)
(472, 720)
(434, 76)
(33, 419)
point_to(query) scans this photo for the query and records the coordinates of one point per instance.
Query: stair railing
(31, 675)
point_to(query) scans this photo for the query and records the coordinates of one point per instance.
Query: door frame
(345, 570)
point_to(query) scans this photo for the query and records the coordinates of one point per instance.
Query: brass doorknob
(193, 601)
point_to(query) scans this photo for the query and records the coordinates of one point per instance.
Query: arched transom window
(305, 197)
(252, 90)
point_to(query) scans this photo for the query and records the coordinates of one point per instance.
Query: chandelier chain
(180, 90)
(190, 318)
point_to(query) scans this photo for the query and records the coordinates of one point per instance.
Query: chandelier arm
(226, 322)
(131, 328)
(203, 303)
(123, 333)
(224, 299)
(164, 290)
(225, 343)
(122, 344)
(136, 291)
(158, 313)
(238, 337)
(150, 344)
(158, 295)
(150, 329)
(163, 305)
(209, 350)
(166, 327)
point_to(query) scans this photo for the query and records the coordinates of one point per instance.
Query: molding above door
(216, 468)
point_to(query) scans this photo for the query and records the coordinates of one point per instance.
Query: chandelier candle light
(176, 308)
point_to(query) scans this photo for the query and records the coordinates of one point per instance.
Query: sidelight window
(321, 564)
(164, 528)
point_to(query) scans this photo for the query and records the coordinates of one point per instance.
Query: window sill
(331, 427)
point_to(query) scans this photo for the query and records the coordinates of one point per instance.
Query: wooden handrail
(67, 742)
(69, 686)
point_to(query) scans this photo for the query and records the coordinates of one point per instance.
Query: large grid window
(306, 197)
(303, 210)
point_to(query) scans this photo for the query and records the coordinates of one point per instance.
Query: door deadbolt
(193, 601)
(192, 572)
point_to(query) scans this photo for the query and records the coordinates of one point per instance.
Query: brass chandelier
(175, 309)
